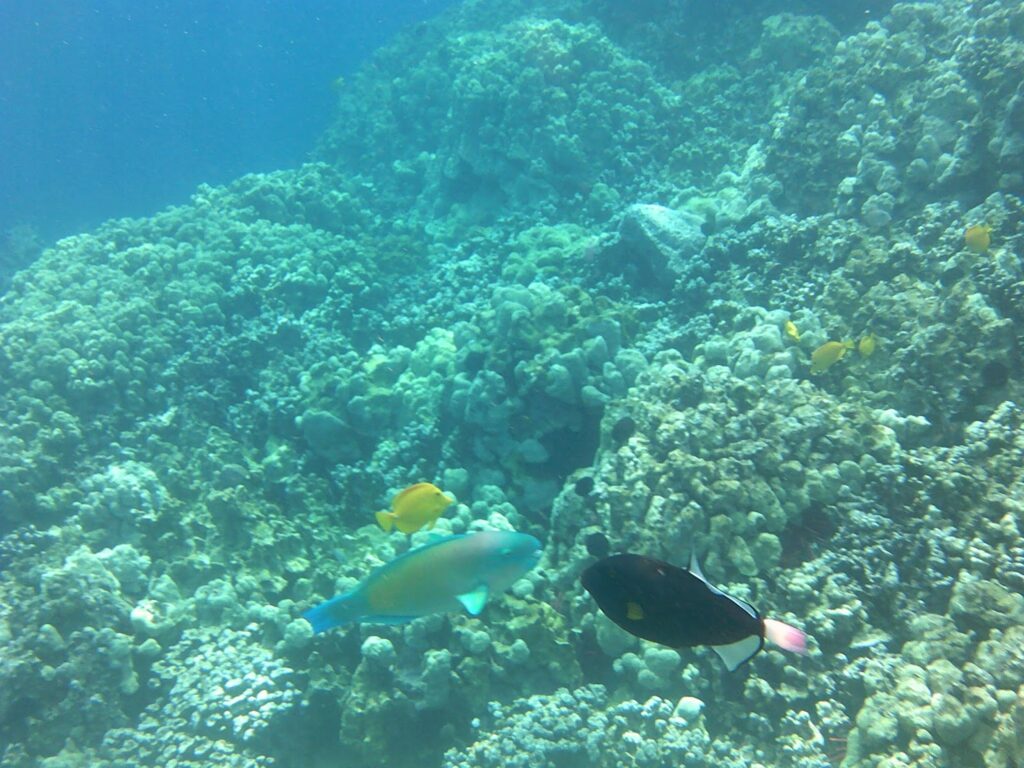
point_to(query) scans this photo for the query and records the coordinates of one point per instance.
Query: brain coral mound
(546, 260)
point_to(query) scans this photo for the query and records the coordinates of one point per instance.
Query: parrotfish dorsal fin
(475, 600)
(735, 654)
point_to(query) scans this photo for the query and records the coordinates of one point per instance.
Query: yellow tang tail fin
(385, 520)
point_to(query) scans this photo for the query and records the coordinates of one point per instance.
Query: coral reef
(569, 261)
(546, 730)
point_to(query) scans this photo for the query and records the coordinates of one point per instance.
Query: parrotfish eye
(506, 551)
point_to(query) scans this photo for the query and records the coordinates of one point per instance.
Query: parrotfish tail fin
(786, 637)
(385, 520)
(333, 613)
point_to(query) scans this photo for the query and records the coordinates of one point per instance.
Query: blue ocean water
(119, 108)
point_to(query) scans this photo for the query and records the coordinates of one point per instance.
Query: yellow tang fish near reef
(417, 506)
(867, 345)
(791, 331)
(978, 237)
(828, 354)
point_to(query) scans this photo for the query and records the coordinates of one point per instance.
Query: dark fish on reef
(677, 607)
(597, 545)
(584, 486)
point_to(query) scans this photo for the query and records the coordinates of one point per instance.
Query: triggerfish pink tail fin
(385, 520)
(786, 637)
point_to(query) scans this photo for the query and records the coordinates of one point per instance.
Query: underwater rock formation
(546, 260)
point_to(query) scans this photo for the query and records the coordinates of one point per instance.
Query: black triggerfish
(677, 607)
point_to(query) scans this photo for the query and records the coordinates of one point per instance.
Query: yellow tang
(828, 354)
(417, 506)
(791, 331)
(867, 345)
(978, 237)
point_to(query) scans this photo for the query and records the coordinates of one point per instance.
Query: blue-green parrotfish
(446, 575)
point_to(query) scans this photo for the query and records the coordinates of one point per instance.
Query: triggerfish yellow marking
(446, 575)
(417, 506)
(867, 345)
(828, 354)
(679, 608)
(978, 238)
(791, 331)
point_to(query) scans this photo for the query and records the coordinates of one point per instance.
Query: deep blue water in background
(121, 107)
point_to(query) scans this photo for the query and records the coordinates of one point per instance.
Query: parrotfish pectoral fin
(786, 637)
(475, 600)
(332, 613)
(735, 654)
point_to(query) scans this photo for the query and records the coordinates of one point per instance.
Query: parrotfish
(417, 506)
(445, 575)
(679, 608)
